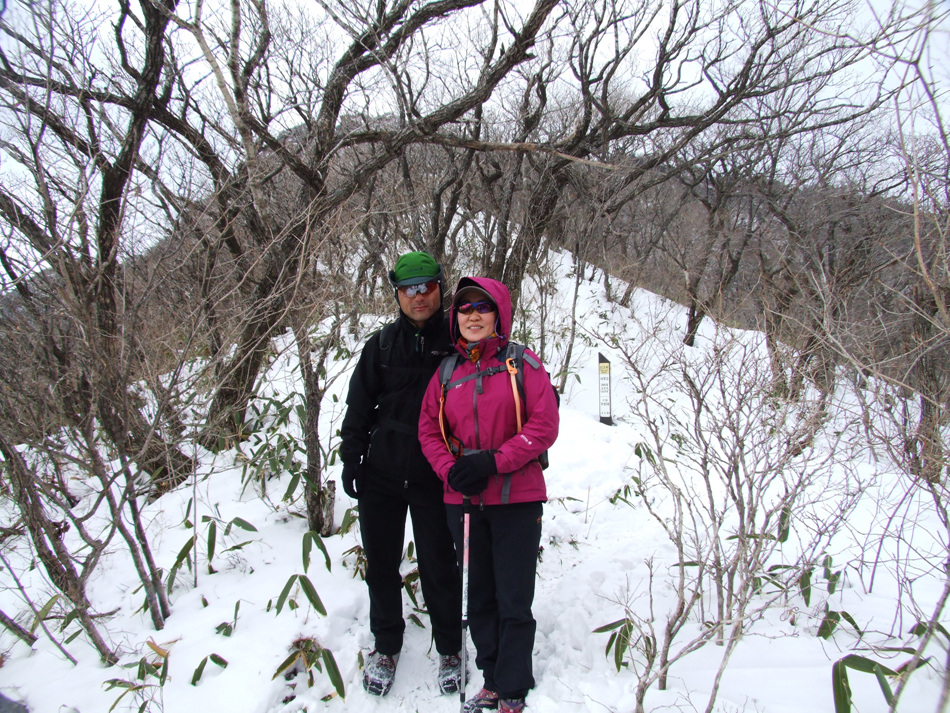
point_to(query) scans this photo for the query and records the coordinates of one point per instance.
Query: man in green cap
(385, 470)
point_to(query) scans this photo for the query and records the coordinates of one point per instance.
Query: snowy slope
(593, 569)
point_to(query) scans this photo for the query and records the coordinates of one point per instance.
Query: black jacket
(381, 425)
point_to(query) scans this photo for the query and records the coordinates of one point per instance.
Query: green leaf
(610, 627)
(286, 664)
(833, 582)
(185, 552)
(828, 624)
(840, 688)
(67, 620)
(622, 644)
(285, 592)
(146, 669)
(642, 451)
(865, 665)
(212, 538)
(784, 523)
(350, 518)
(196, 676)
(826, 565)
(885, 686)
(43, 613)
(858, 663)
(804, 583)
(407, 584)
(920, 628)
(243, 524)
(131, 689)
(311, 593)
(333, 672)
(291, 487)
(649, 646)
(850, 619)
(219, 660)
(897, 649)
(238, 546)
(909, 666)
(307, 547)
(311, 538)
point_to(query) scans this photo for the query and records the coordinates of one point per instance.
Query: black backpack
(512, 360)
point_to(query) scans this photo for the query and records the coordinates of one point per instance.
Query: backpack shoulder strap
(517, 352)
(387, 335)
(447, 368)
(387, 338)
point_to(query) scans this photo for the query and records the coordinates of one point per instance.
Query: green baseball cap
(414, 269)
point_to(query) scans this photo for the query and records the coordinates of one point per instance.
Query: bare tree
(728, 472)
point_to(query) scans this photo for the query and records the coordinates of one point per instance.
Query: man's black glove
(469, 475)
(351, 474)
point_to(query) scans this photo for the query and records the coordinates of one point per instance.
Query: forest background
(185, 183)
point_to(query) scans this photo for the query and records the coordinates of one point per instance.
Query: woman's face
(476, 326)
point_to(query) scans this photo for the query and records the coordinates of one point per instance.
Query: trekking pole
(466, 519)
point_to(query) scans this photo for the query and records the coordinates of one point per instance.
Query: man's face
(420, 306)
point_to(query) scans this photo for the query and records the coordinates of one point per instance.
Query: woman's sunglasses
(424, 288)
(480, 307)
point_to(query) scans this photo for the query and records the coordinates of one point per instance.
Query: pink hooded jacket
(486, 420)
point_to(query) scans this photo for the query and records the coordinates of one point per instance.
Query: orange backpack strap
(513, 372)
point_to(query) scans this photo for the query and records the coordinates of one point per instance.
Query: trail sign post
(605, 414)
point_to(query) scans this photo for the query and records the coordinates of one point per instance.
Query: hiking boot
(450, 673)
(379, 673)
(511, 705)
(484, 700)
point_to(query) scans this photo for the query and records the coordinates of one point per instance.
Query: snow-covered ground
(593, 571)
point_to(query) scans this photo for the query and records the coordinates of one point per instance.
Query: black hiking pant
(383, 509)
(502, 564)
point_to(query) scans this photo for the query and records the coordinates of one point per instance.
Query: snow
(598, 551)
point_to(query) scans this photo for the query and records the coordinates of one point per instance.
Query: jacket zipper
(478, 437)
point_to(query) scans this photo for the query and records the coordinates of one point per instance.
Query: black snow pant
(502, 565)
(383, 508)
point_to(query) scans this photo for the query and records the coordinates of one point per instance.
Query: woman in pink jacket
(473, 441)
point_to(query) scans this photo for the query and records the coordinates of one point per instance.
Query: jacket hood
(499, 295)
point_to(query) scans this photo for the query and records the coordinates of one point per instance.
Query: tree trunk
(17, 630)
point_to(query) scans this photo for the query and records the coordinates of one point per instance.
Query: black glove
(469, 475)
(351, 474)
